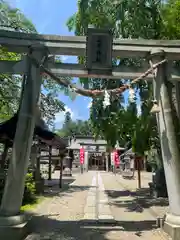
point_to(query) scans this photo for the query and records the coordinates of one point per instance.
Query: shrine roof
(8, 129)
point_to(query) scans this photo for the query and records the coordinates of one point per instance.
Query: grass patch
(33, 205)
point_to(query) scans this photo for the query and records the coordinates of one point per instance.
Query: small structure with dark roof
(8, 130)
(46, 140)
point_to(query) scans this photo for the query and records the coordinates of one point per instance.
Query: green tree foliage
(10, 86)
(147, 19)
(13, 18)
(105, 121)
(102, 120)
(30, 189)
(171, 18)
(126, 19)
(72, 128)
(67, 120)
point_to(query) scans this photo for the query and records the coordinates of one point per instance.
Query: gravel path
(135, 221)
(158, 207)
(60, 217)
(57, 216)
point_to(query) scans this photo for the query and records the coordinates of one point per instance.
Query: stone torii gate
(99, 49)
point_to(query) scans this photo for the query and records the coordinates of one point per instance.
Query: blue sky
(49, 17)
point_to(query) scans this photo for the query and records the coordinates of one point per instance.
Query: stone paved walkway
(157, 207)
(97, 204)
(136, 221)
(63, 216)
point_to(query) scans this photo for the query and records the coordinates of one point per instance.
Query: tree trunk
(50, 163)
(61, 170)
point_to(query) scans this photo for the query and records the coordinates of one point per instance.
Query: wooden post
(139, 172)
(70, 168)
(38, 163)
(81, 166)
(61, 170)
(15, 181)
(169, 144)
(50, 163)
(38, 179)
(115, 169)
(86, 160)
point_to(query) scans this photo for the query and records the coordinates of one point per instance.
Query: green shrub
(29, 190)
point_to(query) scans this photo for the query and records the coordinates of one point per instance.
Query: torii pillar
(169, 144)
(12, 222)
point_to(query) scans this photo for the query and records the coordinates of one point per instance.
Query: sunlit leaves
(145, 19)
(171, 19)
(13, 19)
(72, 128)
(10, 86)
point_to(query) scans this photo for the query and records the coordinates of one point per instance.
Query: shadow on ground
(53, 186)
(66, 188)
(48, 228)
(138, 200)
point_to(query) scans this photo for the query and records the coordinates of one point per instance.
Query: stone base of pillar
(13, 227)
(172, 226)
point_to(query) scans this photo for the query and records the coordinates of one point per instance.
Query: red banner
(116, 159)
(81, 155)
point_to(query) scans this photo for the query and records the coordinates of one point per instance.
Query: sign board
(99, 51)
(97, 154)
(90, 148)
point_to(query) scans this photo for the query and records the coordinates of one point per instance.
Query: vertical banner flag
(116, 158)
(81, 155)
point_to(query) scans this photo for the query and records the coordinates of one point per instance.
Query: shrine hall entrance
(96, 161)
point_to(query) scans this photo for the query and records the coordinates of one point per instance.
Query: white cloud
(59, 117)
(67, 109)
(64, 58)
